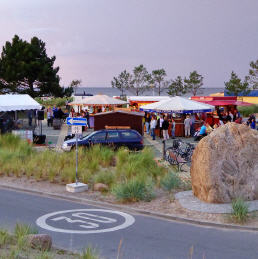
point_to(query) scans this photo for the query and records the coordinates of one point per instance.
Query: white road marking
(86, 223)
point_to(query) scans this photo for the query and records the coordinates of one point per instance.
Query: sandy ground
(163, 203)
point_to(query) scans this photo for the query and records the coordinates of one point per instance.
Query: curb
(133, 210)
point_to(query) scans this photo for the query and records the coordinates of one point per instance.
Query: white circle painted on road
(85, 221)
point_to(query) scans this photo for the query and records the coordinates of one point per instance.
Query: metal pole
(164, 149)
(76, 178)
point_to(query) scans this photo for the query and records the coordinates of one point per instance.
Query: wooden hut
(119, 119)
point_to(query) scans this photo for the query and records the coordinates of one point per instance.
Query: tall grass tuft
(134, 190)
(90, 253)
(239, 210)
(24, 229)
(106, 156)
(106, 177)
(171, 181)
(5, 237)
(20, 231)
(121, 157)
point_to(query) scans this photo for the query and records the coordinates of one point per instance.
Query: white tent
(17, 102)
(98, 100)
(177, 104)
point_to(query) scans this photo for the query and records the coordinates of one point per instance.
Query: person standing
(49, 117)
(165, 125)
(30, 112)
(173, 128)
(147, 123)
(87, 116)
(59, 113)
(161, 119)
(228, 117)
(55, 112)
(187, 123)
(153, 125)
(192, 129)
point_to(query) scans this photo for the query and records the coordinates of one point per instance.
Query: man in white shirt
(187, 124)
(153, 125)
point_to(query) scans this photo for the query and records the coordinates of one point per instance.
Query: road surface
(74, 226)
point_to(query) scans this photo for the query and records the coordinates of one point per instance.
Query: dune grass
(239, 211)
(122, 171)
(16, 245)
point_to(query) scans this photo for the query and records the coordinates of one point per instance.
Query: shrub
(246, 111)
(171, 181)
(239, 210)
(134, 190)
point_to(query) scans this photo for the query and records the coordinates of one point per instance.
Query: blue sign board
(76, 121)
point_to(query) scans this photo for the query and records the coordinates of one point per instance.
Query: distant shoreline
(115, 92)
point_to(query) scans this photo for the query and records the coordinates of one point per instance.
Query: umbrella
(177, 104)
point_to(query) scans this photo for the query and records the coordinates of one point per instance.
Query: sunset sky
(94, 40)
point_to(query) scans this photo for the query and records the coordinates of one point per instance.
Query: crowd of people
(82, 114)
(159, 123)
(54, 113)
(57, 113)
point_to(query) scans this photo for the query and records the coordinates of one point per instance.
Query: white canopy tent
(18, 102)
(177, 104)
(98, 100)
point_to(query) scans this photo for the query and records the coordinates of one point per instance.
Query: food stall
(178, 107)
(224, 103)
(136, 101)
(97, 103)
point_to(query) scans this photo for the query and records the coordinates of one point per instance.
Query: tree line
(140, 80)
(236, 86)
(25, 68)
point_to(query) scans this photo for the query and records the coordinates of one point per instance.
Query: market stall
(97, 103)
(136, 102)
(132, 120)
(16, 114)
(223, 104)
(178, 107)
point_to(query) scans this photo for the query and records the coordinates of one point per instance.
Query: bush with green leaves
(135, 189)
(239, 210)
(246, 111)
(54, 101)
(171, 181)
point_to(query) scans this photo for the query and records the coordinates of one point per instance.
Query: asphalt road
(144, 237)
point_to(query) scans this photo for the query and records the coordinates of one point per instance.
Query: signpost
(76, 124)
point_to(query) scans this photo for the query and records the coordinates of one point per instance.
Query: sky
(95, 40)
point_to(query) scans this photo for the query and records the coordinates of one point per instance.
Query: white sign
(85, 221)
(76, 129)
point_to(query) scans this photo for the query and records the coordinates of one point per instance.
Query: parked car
(109, 137)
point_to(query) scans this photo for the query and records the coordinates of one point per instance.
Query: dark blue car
(111, 137)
